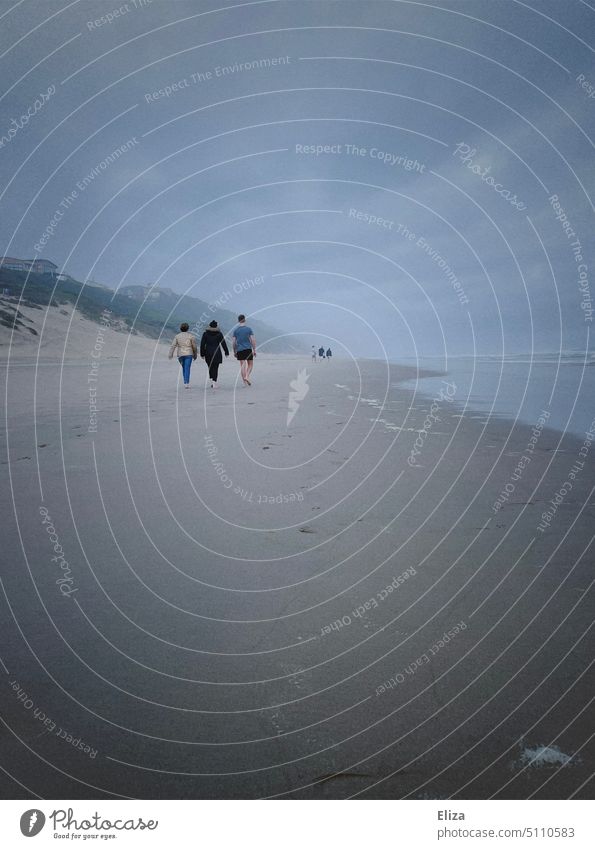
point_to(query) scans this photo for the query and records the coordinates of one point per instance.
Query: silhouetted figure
(211, 343)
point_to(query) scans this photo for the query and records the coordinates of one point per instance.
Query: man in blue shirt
(244, 348)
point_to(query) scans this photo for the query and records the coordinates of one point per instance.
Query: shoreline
(419, 373)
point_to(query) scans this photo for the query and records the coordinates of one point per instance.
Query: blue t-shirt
(242, 335)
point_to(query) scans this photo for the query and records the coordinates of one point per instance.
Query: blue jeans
(185, 362)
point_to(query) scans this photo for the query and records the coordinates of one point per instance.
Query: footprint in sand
(275, 721)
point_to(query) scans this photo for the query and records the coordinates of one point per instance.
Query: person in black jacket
(210, 350)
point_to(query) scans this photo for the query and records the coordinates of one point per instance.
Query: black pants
(213, 368)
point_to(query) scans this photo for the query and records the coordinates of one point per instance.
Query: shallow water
(519, 386)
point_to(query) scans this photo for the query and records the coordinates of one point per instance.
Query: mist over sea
(519, 386)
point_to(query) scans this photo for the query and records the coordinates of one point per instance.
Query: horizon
(393, 358)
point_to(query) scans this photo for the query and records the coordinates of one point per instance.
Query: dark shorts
(245, 355)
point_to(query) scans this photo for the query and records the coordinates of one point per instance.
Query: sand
(242, 607)
(63, 333)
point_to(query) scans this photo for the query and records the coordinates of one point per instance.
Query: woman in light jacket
(185, 344)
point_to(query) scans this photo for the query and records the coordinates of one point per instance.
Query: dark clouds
(213, 191)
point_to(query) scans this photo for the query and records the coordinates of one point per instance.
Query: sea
(518, 386)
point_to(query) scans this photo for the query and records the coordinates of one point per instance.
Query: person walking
(313, 353)
(244, 348)
(185, 344)
(211, 343)
(329, 353)
(321, 352)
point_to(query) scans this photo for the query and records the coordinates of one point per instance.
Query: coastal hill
(141, 311)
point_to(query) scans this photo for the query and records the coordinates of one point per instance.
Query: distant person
(329, 353)
(313, 353)
(185, 344)
(244, 348)
(211, 343)
(321, 352)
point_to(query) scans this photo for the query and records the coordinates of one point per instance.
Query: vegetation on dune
(155, 317)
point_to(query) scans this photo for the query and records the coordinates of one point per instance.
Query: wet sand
(334, 607)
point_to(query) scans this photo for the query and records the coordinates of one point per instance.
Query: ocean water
(518, 386)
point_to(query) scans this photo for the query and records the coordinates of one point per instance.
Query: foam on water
(539, 756)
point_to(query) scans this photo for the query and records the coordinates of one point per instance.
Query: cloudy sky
(385, 171)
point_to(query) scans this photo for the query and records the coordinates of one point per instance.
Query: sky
(395, 178)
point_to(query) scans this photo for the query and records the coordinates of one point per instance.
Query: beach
(325, 585)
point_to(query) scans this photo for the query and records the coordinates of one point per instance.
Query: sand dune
(63, 332)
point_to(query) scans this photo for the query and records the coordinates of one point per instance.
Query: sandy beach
(321, 586)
